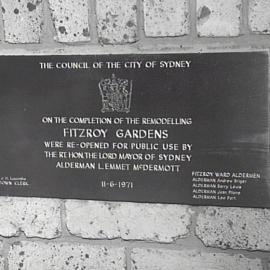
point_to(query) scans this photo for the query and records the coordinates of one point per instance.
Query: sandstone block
(237, 228)
(34, 217)
(149, 259)
(130, 221)
(116, 21)
(70, 19)
(69, 256)
(259, 16)
(218, 18)
(22, 20)
(164, 18)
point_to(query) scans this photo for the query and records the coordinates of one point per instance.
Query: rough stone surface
(116, 21)
(54, 256)
(166, 18)
(149, 259)
(1, 263)
(259, 16)
(236, 228)
(34, 217)
(70, 20)
(130, 221)
(22, 20)
(218, 18)
(1, 258)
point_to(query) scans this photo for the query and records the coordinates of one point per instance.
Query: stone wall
(52, 234)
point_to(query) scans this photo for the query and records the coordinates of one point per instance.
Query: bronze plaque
(166, 128)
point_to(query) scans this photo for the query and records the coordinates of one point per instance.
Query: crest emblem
(116, 94)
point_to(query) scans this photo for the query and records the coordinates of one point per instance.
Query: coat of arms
(116, 94)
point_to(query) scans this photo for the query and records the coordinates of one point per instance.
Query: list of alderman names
(220, 186)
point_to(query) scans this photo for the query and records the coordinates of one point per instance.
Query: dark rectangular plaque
(167, 128)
